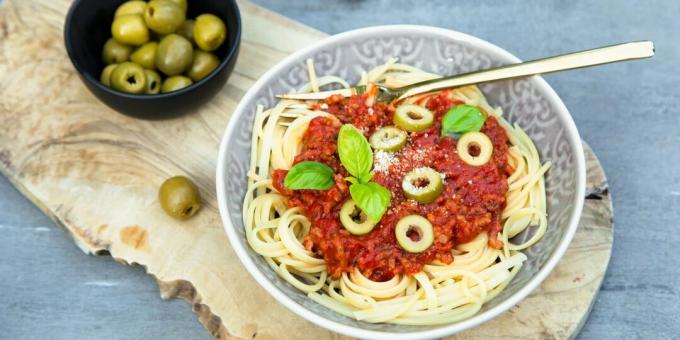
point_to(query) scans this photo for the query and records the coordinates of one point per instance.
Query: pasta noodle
(440, 293)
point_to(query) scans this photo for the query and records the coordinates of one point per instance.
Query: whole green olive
(187, 29)
(181, 3)
(153, 82)
(128, 77)
(115, 52)
(145, 55)
(163, 16)
(209, 32)
(179, 197)
(203, 64)
(105, 78)
(159, 37)
(174, 55)
(130, 29)
(175, 83)
(130, 7)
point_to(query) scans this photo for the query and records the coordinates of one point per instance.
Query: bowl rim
(441, 331)
(231, 54)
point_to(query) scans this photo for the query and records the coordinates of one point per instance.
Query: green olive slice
(413, 118)
(355, 220)
(414, 233)
(388, 138)
(423, 185)
(475, 139)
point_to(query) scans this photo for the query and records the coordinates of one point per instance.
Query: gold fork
(597, 56)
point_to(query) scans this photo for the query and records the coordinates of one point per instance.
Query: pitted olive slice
(413, 118)
(423, 185)
(388, 138)
(414, 233)
(355, 220)
(478, 140)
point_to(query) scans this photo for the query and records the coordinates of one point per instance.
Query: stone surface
(627, 112)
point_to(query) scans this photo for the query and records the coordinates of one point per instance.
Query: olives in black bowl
(88, 28)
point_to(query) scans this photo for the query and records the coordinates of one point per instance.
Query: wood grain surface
(96, 172)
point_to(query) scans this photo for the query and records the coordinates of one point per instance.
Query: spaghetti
(441, 290)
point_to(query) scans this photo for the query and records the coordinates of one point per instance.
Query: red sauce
(472, 200)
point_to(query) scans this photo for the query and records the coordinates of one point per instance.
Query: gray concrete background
(627, 112)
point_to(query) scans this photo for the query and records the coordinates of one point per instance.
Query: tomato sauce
(472, 200)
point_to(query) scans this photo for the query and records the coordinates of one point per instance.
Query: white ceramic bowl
(531, 102)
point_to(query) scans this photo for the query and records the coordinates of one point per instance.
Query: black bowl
(88, 26)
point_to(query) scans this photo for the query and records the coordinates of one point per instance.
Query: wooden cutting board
(95, 172)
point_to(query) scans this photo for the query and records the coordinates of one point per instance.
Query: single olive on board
(179, 197)
(174, 55)
(153, 82)
(145, 55)
(175, 83)
(105, 78)
(131, 7)
(209, 32)
(129, 77)
(115, 52)
(130, 29)
(203, 64)
(163, 16)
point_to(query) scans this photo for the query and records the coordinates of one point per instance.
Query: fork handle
(598, 56)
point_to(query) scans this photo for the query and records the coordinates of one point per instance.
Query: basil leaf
(367, 177)
(372, 198)
(461, 119)
(354, 151)
(309, 175)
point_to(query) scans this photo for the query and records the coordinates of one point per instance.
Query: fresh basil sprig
(461, 119)
(357, 157)
(372, 198)
(354, 151)
(309, 175)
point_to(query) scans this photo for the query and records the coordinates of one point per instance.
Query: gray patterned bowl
(531, 102)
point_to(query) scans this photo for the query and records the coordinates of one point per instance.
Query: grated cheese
(383, 160)
(419, 154)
